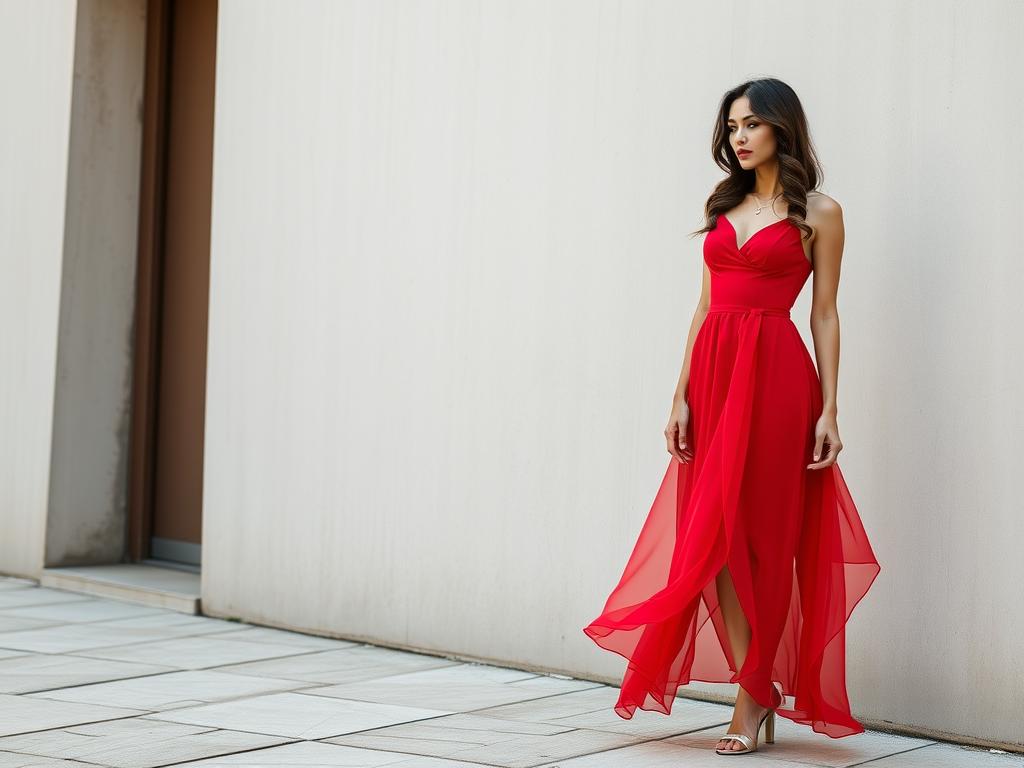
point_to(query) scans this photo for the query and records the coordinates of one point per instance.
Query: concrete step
(158, 586)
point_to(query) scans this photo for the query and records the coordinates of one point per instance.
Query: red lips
(742, 152)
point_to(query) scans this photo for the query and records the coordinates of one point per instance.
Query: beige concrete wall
(72, 77)
(451, 286)
(92, 401)
(36, 54)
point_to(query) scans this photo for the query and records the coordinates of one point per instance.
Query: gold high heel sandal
(749, 744)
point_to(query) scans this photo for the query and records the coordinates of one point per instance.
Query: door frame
(146, 352)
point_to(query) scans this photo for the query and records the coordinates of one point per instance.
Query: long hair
(774, 103)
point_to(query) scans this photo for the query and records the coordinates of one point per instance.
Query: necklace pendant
(757, 212)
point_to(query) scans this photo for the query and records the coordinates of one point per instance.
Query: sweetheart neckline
(756, 233)
(762, 229)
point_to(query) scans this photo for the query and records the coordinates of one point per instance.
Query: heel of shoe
(769, 728)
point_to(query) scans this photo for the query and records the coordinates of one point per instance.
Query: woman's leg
(747, 712)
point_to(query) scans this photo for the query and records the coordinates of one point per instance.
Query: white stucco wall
(451, 286)
(36, 57)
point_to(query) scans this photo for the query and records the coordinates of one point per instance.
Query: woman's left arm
(827, 253)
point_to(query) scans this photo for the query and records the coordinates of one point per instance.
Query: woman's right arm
(675, 432)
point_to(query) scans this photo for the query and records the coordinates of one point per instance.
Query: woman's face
(752, 141)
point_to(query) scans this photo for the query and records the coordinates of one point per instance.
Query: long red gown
(794, 543)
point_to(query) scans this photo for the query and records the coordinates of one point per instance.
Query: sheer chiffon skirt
(793, 541)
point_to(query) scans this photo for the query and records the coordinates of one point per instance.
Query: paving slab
(43, 672)
(592, 709)
(17, 623)
(287, 637)
(174, 690)
(22, 714)
(19, 598)
(317, 754)
(488, 740)
(76, 638)
(943, 755)
(90, 609)
(297, 715)
(176, 624)
(14, 760)
(459, 688)
(800, 744)
(363, 662)
(135, 743)
(199, 652)
(661, 754)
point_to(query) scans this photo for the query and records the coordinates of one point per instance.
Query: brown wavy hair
(774, 103)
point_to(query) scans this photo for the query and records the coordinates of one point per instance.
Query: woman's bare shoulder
(821, 205)
(823, 211)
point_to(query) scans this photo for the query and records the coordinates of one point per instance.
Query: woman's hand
(826, 431)
(675, 432)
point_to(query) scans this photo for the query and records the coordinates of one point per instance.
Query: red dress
(791, 536)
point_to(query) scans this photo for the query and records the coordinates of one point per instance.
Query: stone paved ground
(95, 682)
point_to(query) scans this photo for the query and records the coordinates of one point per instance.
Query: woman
(753, 526)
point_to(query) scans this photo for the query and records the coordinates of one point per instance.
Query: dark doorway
(173, 287)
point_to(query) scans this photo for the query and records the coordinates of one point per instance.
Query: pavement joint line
(165, 765)
(640, 740)
(75, 725)
(162, 674)
(102, 647)
(228, 754)
(67, 759)
(95, 682)
(419, 754)
(148, 716)
(891, 754)
(84, 655)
